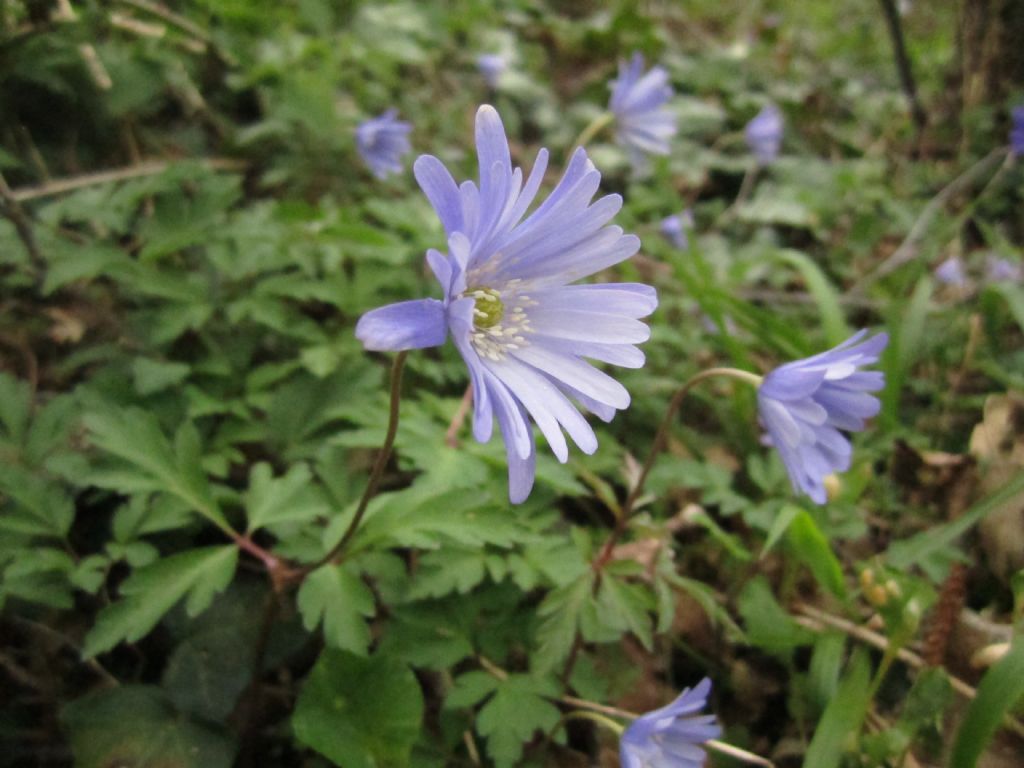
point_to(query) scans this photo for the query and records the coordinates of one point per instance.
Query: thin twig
(171, 18)
(22, 224)
(451, 435)
(814, 618)
(903, 65)
(660, 439)
(908, 248)
(148, 168)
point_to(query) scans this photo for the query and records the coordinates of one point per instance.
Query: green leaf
(15, 407)
(359, 712)
(451, 569)
(155, 375)
(213, 662)
(811, 547)
(153, 590)
(471, 688)
(780, 523)
(626, 607)
(823, 292)
(843, 716)
(293, 497)
(707, 599)
(135, 437)
(767, 624)
(1000, 689)
(430, 635)
(134, 726)
(559, 615)
(908, 341)
(335, 595)
(518, 709)
(34, 505)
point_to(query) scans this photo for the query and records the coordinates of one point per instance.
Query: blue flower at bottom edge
(519, 325)
(383, 142)
(671, 736)
(803, 405)
(644, 125)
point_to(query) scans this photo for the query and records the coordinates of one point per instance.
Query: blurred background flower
(491, 66)
(676, 227)
(643, 124)
(764, 134)
(383, 142)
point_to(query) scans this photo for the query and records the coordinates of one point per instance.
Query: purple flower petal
(406, 325)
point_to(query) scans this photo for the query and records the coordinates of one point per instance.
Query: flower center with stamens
(499, 320)
(488, 308)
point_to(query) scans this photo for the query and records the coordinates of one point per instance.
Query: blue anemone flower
(382, 142)
(491, 66)
(520, 326)
(803, 405)
(1017, 131)
(1000, 270)
(951, 272)
(671, 736)
(643, 124)
(676, 228)
(764, 134)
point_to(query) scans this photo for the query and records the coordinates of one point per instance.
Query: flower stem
(596, 125)
(378, 466)
(659, 443)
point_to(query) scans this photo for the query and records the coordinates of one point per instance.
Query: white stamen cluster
(499, 320)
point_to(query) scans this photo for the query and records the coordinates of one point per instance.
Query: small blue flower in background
(670, 736)
(1017, 131)
(382, 142)
(951, 272)
(764, 134)
(491, 66)
(675, 228)
(522, 330)
(1000, 270)
(803, 405)
(644, 125)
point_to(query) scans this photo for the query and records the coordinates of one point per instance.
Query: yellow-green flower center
(488, 308)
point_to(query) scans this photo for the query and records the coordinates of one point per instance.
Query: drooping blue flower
(764, 134)
(643, 124)
(672, 735)
(1017, 131)
(382, 142)
(1000, 270)
(951, 272)
(520, 326)
(676, 227)
(806, 405)
(491, 66)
